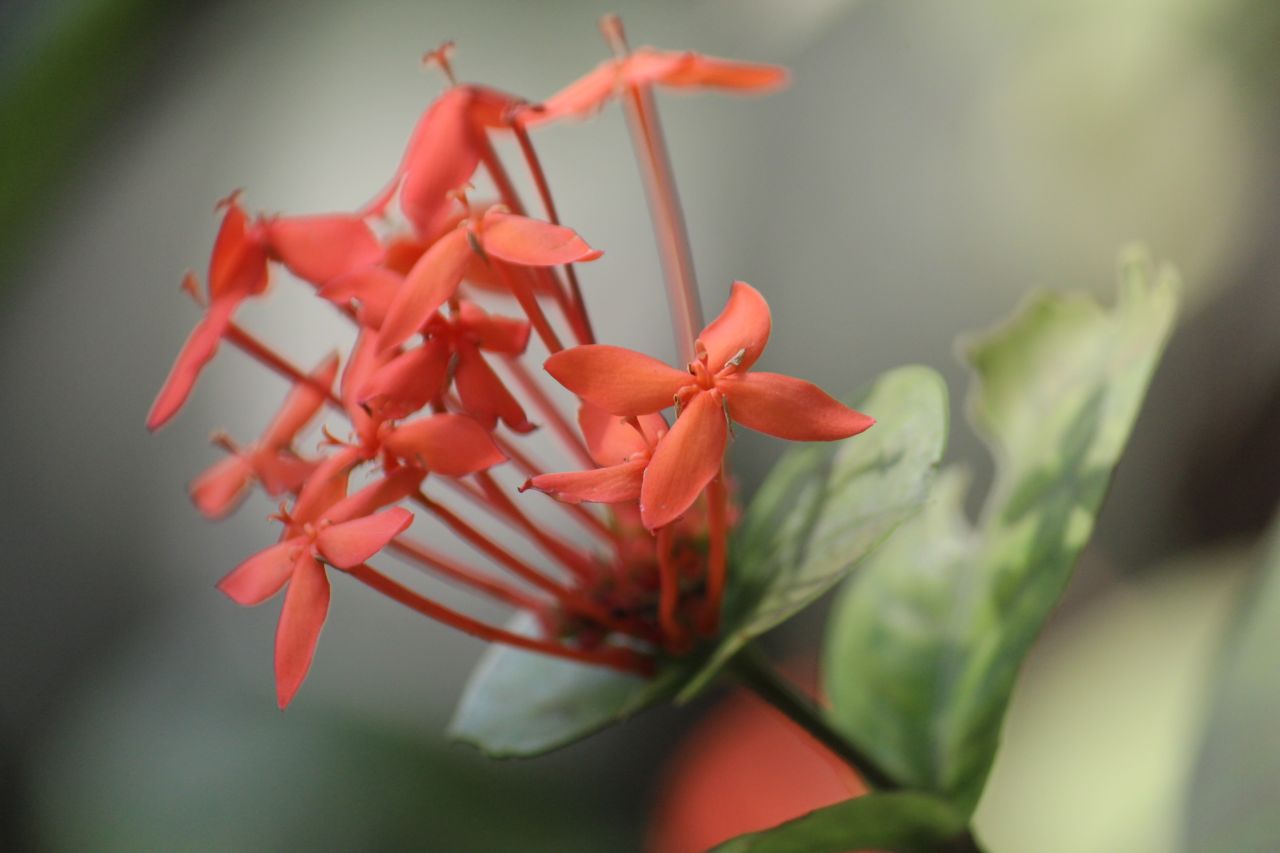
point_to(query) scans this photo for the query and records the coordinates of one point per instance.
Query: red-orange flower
(344, 535)
(237, 270)
(716, 389)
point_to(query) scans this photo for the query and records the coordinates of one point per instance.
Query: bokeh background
(932, 162)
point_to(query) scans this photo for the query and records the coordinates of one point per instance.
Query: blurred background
(931, 163)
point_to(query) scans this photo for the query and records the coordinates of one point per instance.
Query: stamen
(442, 58)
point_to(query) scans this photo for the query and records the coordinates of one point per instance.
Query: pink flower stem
(461, 574)
(482, 543)
(272, 360)
(626, 660)
(664, 201)
(579, 319)
(571, 558)
(570, 600)
(519, 282)
(532, 469)
(507, 192)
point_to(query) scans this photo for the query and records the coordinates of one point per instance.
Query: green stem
(756, 674)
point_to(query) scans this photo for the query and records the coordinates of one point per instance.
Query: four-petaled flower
(344, 534)
(715, 390)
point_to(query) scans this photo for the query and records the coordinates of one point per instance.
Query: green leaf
(904, 822)
(1232, 798)
(924, 646)
(521, 704)
(826, 506)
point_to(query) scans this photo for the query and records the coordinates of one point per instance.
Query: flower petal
(686, 459)
(611, 440)
(620, 381)
(532, 242)
(442, 156)
(505, 335)
(384, 491)
(326, 486)
(710, 72)
(430, 283)
(453, 445)
(306, 605)
(262, 575)
(352, 542)
(586, 95)
(302, 404)
(282, 472)
(221, 487)
(238, 265)
(318, 249)
(742, 327)
(483, 394)
(612, 484)
(408, 382)
(790, 408)
(199, 350)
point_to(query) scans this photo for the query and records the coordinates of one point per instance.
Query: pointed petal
(790, 408)
(532, 242)
(710, 72)
(586, 95)
(352, 542)
(384, 491)
(611, 440)
(408, 382)
(373, 287)
(430, 283)
(684, 462)
(442, 156)
(326, 486)
(742, 327)
(199, 350)
(505, 335)
(281, 473)
(620, 381)
(262, 575)
(221, 487)
(613, 484)
(238, 265)
(581, 98)
(318, 249)
(483, 394)
(302, 404)
(646, 65)
(453, 445)
(306, 605)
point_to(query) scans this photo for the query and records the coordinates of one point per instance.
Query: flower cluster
(437, 389)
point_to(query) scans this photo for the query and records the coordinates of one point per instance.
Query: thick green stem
(756, 674)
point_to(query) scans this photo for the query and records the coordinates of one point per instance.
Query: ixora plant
(668, 582)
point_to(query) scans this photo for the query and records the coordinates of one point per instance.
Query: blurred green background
(932, 162)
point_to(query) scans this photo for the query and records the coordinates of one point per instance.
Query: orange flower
(715, 390)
